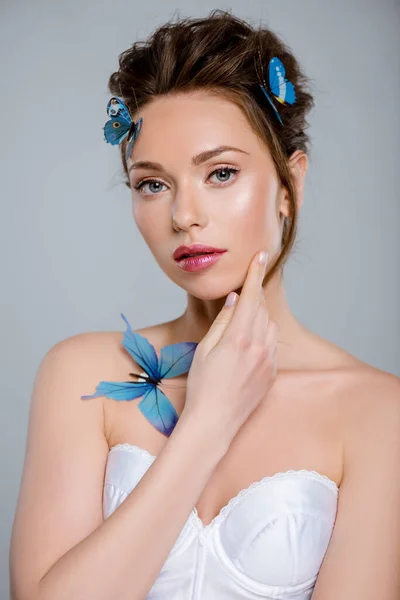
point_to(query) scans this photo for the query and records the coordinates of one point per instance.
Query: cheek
(149, 221)
(252, 216)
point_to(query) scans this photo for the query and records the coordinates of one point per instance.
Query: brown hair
(219, 54)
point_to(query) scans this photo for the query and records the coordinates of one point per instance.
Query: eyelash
(141, 183)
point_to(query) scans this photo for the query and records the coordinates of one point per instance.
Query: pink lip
(195, 249)
(199, 263)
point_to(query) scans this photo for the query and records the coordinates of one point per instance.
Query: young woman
(276, 471)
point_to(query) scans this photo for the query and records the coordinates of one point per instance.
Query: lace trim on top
(242, 493)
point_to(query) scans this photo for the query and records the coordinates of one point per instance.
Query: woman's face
(231, 200)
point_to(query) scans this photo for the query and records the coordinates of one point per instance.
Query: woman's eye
(155, 186)
(225, 172)
(153, 182)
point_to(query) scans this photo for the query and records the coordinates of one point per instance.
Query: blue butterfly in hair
(174, 360)
(121, 125)
(279, 86)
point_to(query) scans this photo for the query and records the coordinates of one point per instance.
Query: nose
(188, 210)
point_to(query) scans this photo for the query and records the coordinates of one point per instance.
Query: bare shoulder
(60, 497)
(371, 401)
(370, 390)
(363, 409)
(90, 343)
(101, 356)
(355, 383)
(95, 353)
(77, 364)
(364, 547)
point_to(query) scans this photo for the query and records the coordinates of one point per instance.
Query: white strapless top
(268, 542)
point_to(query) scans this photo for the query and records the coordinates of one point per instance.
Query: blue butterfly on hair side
(279, 87)
(174, 360)
(121, 125)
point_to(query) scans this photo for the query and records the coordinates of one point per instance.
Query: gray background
(72, 258)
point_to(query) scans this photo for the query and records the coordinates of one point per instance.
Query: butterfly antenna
(159, 384)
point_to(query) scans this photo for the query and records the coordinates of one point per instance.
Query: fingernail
(262, 257)
(231, 299)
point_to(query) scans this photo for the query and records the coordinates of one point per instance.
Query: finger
(271, 346)
(247, 304)
(272, 335)
(219, 325)
(260, 323)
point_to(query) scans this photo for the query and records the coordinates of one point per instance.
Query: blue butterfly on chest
(174, 360)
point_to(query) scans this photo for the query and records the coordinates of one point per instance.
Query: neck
(294, 338)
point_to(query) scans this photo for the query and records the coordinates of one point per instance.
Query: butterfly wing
(155, 405)
(157, 409)
(141, 350)
(116, 129)
(176, 359)
(116, 107)
(271, 103)
(281, 88)
(138, 126)
(119, 390)
(132, 137)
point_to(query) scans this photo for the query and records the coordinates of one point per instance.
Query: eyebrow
(196, 160)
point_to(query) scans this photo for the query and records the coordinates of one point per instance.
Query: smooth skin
(124, 552)
(318, 408)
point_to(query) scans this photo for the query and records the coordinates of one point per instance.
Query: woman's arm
(362, 561)
(61, 548)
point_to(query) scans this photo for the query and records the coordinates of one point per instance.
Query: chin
(207, 289)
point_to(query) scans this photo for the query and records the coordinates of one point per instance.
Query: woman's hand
(235, 363)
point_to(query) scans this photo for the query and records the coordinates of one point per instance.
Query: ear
(298, 163)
